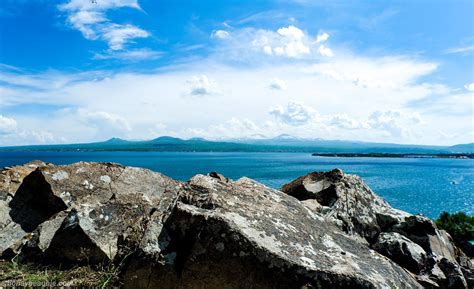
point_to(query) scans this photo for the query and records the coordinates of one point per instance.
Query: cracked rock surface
(323, 230)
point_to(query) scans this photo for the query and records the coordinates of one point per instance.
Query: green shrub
(460, 226)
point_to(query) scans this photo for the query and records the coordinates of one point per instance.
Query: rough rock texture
(402, 250)
(82, 212)
(347, 201)
(412, 241)
(324, 230)
(245, 233)
(12, 234)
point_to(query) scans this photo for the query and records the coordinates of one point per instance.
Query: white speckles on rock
(60, 175)
(88, 185)
(330, 244)
(106, 179)
(80, 170)
(308, 262)
(65, 194)
(270, 242)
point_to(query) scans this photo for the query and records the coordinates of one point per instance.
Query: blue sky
(390, 71)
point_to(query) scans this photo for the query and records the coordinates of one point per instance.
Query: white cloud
(277, 84)
(461, 49)
(383, 72)
(322, 37)
(84, 21)
(7, 125)
(325, 51)
(104, 119)
(455, 104)
(291, 32)
(294, 113)
(230, 129)
(201, 85)
(117, 35)
(394, 122)
(97, 124)
(81, 5)
(347, 89)
(133, 55)
(220, 34)
(469, 86)
(10, 134)
(37, 137)
(288, 41)
(91, 20)
(345, 122)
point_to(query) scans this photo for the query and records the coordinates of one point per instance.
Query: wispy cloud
(461, 49)
(131, 55)
(90, 18)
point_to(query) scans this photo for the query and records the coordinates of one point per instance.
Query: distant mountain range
(282, 143)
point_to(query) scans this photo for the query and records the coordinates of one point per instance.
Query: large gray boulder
(243, 234)
(84, 212)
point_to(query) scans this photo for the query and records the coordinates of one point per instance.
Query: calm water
(414, 185)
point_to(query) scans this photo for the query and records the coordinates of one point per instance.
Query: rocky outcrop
(324, 230)
(412, 241)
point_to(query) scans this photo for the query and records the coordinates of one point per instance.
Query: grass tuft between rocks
(14, 274)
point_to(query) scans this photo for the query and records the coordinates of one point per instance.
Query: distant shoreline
(390, 155)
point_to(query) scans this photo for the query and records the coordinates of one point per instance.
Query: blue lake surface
(427, 186)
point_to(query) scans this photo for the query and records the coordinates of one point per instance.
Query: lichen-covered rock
(85, 211)
(237, 233)
(213, 232)
(347, 201)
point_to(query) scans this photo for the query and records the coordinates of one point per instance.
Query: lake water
(427, 186)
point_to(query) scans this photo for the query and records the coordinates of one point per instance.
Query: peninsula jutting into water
(389, 155)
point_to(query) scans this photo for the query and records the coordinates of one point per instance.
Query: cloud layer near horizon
(253, 82)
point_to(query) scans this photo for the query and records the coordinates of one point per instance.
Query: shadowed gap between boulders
(34, 202)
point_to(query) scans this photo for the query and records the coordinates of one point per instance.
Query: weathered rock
(245, 234)
(212, 232)
(403, 251)
(346, 200)
(106, 206)
(12, 233)
(423, 231)
(12, 177)
(454, 275)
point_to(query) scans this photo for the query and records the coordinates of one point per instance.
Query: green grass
(36, 275)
